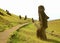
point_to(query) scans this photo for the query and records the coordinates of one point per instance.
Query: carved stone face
(41, 8)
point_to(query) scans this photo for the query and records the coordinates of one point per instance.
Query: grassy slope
(27, 34)
(8, 21)
(55, 26)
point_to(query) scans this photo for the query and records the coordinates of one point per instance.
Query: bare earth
(4, 36)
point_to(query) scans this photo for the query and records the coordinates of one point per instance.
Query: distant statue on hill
(25, 17)
(43, 23)
(32, 20)
(8, 12)
(20, 16)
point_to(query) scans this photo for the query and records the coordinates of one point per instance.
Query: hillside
(54, 25)
(7, 21)
(27, 34)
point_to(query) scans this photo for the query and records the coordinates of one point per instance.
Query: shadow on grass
(52, 40)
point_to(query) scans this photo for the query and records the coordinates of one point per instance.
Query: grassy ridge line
(4, 22)
(7, 21)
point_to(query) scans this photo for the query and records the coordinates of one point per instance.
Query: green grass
(54, 26)
(7, 21)
(27, 34)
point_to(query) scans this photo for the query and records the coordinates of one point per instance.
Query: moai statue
(32, 20)
(20, 16)
(43, 23)
(8, 12)
(25, 17)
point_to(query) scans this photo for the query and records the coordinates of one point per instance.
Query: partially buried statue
(42, 22)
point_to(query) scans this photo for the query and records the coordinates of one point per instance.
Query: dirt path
(4, 36)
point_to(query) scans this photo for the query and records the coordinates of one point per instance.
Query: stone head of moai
(41, 8)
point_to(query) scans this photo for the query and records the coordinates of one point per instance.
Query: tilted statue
(42, 22)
